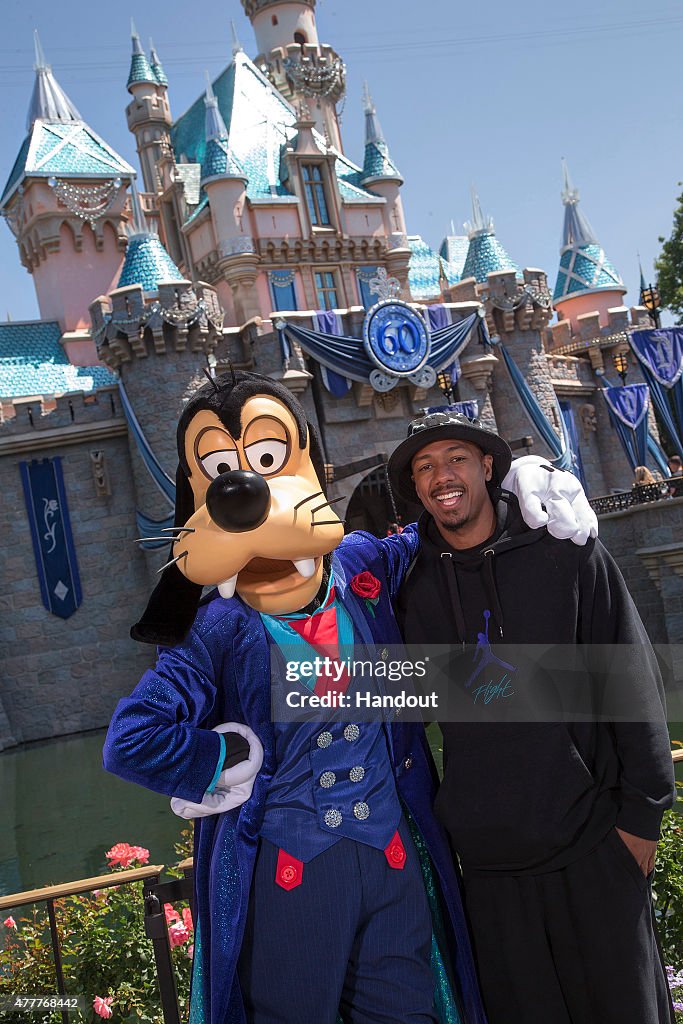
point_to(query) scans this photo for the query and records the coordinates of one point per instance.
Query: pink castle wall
(67, 281)
(591, 302)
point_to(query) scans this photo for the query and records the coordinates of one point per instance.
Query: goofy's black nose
(238, 501)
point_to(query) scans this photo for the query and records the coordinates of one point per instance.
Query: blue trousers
(353, 939)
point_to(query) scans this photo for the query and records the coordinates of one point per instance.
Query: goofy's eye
(219, 462)
(266, 457)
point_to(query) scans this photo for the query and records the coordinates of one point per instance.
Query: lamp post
(650, 299)
(621, 365)
(445, 384)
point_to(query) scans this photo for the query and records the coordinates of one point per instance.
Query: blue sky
(491, 95)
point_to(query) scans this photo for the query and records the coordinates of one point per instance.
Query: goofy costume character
(325, 887)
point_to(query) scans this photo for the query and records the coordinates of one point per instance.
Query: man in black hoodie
(555, 821)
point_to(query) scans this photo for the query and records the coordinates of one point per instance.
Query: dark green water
(61, 811)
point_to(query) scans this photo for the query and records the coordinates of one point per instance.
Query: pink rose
(9, 922)
(102, 1007)
(178, 934)
(187, 919)
(122, 855)
(190, 951)
(171, 914)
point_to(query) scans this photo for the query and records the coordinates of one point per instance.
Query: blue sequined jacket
(161, 738)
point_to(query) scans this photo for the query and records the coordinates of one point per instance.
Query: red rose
(366, 585)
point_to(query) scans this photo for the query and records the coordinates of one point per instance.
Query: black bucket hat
(442, 426)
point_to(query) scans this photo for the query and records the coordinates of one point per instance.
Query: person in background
(642, 476)
(676, 479)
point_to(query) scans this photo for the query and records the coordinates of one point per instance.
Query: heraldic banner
(53, 547)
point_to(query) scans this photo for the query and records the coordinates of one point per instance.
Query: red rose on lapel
(367, 586)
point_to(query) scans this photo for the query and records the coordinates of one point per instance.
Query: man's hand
(644, 850)
(553, 498)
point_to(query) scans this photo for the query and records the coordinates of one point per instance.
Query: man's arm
(634, 701)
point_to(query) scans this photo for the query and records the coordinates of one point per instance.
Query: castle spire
(236, 44)
(377, 163)
(643, 285)
(584, 265)
(140, 68)
(218, 157)
(577, 230)
(49, 102)
(147, 262)
(485, 254)
(156, 65)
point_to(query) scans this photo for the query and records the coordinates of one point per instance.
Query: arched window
(300, 38)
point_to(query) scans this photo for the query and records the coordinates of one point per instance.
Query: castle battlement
(64, 418)
(130, 323)
(563, 339)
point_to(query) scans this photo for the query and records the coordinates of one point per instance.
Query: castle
(253, 240)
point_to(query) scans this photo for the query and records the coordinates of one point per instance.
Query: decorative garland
(15, 214)
(171, 315)
(282, 278)
(541, 296)
(316, 79)
(89, 202)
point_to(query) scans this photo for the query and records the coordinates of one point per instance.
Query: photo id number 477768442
(22, 1003)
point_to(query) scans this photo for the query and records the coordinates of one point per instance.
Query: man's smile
(449, 499)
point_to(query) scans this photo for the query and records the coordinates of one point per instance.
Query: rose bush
(105, 952)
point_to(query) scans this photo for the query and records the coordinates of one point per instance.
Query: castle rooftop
(33, 362)
(584, 264)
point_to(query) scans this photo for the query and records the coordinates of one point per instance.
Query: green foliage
(105, 951)
(669, 265)
(667, 886)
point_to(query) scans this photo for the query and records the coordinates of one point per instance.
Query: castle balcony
(314, 71)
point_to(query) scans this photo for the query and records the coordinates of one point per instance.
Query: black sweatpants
(574, 946)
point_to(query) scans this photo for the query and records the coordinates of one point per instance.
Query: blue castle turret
(485, 254)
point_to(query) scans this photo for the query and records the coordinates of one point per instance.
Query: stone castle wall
(64, 676)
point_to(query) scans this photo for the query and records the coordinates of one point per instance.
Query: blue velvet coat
(161, 738)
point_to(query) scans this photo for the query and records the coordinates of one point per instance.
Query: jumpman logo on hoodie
(483, 655)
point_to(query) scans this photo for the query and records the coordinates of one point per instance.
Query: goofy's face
(261, 522)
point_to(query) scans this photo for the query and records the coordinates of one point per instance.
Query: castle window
(315, 194)
(300, 38)
(326, 289)
(273, 20)
(282, 289)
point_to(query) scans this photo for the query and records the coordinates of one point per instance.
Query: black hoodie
(530, 795)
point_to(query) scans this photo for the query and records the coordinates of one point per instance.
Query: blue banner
(629, 403)
(661, 352)
(628, 408)
(53, 547)
(661, 357)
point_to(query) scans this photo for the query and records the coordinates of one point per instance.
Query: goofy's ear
(172, 608)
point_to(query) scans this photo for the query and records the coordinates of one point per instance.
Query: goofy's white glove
(553, 498)
(234, 785)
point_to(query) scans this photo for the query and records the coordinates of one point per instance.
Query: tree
(669, 265)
